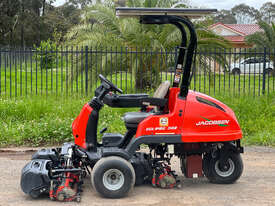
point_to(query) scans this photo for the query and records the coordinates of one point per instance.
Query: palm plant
(107, 30)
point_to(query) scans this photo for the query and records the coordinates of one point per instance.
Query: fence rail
(74, 70)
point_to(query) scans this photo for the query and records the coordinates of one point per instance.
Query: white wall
(222, 31)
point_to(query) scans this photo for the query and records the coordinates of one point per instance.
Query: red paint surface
(80, 124)
(192, 113)
(208, 133)
(174, 120)
(182, 119)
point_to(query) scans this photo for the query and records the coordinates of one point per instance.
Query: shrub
(40, 121)
(46, 54)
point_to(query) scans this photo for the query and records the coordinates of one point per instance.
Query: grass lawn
(33, 80)
(39, 120)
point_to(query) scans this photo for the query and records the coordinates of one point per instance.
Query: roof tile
(246, 29)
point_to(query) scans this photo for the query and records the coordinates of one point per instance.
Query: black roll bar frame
(185, 57)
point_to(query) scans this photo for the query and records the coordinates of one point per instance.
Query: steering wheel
(112, 86)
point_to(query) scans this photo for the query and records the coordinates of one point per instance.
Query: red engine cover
(194, 120)
(208, 123)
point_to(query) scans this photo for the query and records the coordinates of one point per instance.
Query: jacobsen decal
(221, 123)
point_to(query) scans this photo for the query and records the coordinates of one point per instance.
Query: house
(235, 33)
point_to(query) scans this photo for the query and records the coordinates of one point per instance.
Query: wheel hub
(226, 170)
(225, 167)
(113, 179)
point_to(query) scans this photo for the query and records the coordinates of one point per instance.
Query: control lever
(103, 130)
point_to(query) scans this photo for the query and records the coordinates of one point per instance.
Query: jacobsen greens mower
(201, 131)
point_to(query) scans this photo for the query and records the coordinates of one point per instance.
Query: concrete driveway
(255, 187)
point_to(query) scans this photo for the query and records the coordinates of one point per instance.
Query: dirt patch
(255, 187)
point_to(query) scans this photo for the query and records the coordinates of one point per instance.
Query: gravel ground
(255, 187)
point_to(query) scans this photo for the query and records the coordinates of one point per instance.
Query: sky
(215, 4)
(228, 4)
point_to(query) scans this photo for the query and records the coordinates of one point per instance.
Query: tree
(82, 3)
(8, 20)
(108, 30)
(28, 22)
(267, 12)
(225, 17)
(59, 20)
(120, 3)
(245, 14)
(265, 38)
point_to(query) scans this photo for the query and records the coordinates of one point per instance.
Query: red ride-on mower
(201, 131)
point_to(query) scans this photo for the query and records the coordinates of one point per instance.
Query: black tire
(269, 71)
(236, 71)
(113, 167)
(234, 170)
(205, 164)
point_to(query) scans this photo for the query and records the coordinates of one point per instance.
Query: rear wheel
(227, 173)
(113, 177)
(205, 164)
(236, 71)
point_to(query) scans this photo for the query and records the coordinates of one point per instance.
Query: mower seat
(132, 119)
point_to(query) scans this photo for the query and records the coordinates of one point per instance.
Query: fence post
(264, 72)
(86, 70)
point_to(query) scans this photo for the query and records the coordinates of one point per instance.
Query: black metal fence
(74, 70)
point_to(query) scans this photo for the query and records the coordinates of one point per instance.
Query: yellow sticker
(163, 121)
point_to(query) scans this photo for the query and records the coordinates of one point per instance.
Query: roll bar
(185, 56)
(179, 18)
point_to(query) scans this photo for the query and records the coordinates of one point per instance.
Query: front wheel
(269, 71)
(229, 173)
(113, 177)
